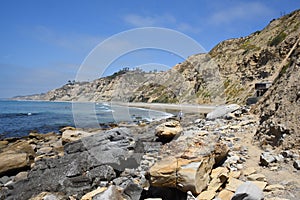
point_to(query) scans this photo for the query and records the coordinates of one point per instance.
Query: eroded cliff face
(226, 74)
(279, 110)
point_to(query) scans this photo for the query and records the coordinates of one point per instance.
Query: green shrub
(278, 39)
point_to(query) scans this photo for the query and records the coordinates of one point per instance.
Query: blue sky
(44, 42)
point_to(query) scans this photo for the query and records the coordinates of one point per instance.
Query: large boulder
(168, 130)
(12, 162)
(186, 164)
(222, 111)
(16, 157)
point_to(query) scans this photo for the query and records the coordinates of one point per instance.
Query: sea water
(19, 118)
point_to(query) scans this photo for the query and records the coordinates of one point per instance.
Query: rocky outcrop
(186, 163)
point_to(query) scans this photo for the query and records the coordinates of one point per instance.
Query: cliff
(226, 74)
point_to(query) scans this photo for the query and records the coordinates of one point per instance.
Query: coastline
(187, 108)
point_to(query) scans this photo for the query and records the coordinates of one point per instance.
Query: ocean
(19, 118)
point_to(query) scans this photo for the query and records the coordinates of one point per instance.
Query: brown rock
(270, 188)
(48, 195)
(249, 171)
(186, 175)
(256, 177)
(90, 195)
(225, 195)
(233, 184)
(260, 184)
(15, 157)
(12, 162)
(206, 195)
(235, 174)
(67, 128)
(217, 171)
(168, 130)
(74, 135)
(111, 193)
(3, 144)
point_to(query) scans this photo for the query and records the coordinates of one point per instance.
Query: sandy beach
(186, 108)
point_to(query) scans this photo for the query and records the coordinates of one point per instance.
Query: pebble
(266, 159)
(297, 164)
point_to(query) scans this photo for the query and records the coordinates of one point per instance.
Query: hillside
(279, 110)
(226, 74)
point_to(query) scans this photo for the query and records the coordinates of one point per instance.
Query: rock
(48, 196)
(218, 177)
(287, 154)
(186, 175)
(84, 165)
(225, 195)
(266, 159)
(168, 130)
(233, 184)
(67, 128)
(234, 174)
(90, 195)
(21, 176)
(206, 195)
(44, 150)
(132, 191)
(70, 135)
(101, 173)
(12, 162)
(4, 179)
(215, 173)
(256, 177)
(270, 188)
(260, 184)
(249, 171)
(221, 111)
(297, 164)
(3, 144)
(249, 191)
(112, 193)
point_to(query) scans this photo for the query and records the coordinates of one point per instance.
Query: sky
(44, 42)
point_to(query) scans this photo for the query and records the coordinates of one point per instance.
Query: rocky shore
(196, 158)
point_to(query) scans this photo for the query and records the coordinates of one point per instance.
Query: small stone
(4, 179)
(21, 176)
(44, 150)
(256, 177)
(297, 164)
(249, 171)
(239, 166)
(274, 187)
(279, 158)
(266, 159)
(286, 154)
